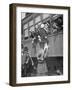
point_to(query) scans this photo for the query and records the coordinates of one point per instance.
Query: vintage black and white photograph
(41, 44)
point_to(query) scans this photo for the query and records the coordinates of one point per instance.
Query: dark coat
(28, 67)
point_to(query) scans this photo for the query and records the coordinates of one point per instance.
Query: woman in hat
(28, 63)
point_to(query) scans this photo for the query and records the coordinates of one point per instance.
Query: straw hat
(42, 25)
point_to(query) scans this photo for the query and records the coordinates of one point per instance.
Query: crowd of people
(28, 65)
